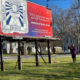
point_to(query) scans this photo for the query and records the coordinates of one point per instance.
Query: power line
(51, 0)
(48, 0)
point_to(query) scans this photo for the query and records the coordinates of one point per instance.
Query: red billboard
(23, 18)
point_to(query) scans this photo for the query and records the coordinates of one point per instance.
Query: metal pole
(49, 54)
(36, 56)
(19, 56)
(1, 56)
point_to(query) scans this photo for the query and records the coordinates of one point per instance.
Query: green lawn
(60, 69)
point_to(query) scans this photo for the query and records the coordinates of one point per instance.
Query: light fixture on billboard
(18, 37)
(47, 36)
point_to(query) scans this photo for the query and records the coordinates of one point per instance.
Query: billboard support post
(1, 55)
(49, 54)
(19, 56)
(36, 56)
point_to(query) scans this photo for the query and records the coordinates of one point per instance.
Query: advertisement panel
(21, 18)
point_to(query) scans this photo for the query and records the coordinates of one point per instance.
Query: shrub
(29, 49)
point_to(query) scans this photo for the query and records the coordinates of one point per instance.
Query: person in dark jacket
(73, 52)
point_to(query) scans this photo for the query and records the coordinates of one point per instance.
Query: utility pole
(79, 3)
(47, 4)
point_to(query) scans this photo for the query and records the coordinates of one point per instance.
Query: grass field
(60, 69)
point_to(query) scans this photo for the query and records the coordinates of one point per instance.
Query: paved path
(15, 57)
(29, 57)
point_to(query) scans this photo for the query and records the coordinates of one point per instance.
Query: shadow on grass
(63, 71)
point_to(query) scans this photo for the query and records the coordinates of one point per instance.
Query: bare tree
(75, 17)
(62, 22)
(67, 21)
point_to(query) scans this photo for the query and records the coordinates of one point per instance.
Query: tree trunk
(11, 49)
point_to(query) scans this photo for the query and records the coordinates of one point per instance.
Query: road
(29, 57)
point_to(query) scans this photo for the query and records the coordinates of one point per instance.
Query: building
(7, 46)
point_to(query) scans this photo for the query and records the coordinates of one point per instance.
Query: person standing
(73, 52)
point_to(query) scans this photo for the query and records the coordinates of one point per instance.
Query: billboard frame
(3, 34)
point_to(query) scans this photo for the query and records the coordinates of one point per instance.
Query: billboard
(24, 18)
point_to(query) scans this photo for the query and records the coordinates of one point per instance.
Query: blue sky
(64, 4)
